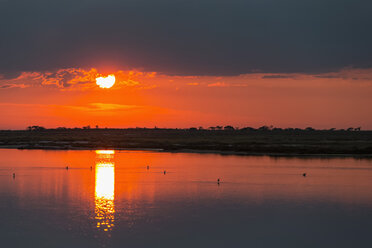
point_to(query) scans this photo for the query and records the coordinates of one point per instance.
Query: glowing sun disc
(106, 82)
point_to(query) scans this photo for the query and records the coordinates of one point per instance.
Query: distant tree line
(270, 128)
(212, 128)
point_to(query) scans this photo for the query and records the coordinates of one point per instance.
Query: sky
(188, 63)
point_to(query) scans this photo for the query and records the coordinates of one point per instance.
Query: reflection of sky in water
(105, 190)
(261, 201)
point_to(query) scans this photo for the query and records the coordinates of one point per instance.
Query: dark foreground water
(107, 199)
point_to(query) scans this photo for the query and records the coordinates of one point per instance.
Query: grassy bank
(239, 141)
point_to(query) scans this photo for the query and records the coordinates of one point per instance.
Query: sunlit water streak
(105, 190)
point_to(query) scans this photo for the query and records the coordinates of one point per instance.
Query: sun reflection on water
(105, 189)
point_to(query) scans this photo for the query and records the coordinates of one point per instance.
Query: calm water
(110, 199)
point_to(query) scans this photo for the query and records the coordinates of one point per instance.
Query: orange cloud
(73, 79)
(7, 86)
(81, 79)
(103, 107)
(218, 84)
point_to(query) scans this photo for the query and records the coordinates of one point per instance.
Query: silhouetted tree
(247, 129)
(35, 128)
(264, 128)
(229, 128)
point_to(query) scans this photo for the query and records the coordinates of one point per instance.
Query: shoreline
(198, 151)
(274, 143)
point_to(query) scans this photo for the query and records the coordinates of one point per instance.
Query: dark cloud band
(194, 37)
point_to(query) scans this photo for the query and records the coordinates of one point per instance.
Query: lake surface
(111, 199)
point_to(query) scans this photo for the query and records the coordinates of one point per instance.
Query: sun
(105, 82)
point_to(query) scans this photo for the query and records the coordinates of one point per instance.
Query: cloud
(277, 76)
(218, 84)
(65, 78)
(8, 86)
(72, 79)
(220, 39)
(105, 107)
(78, 79)
(327, 76)
(348, 74)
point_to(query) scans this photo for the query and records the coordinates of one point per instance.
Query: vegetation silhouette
(220, 139)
